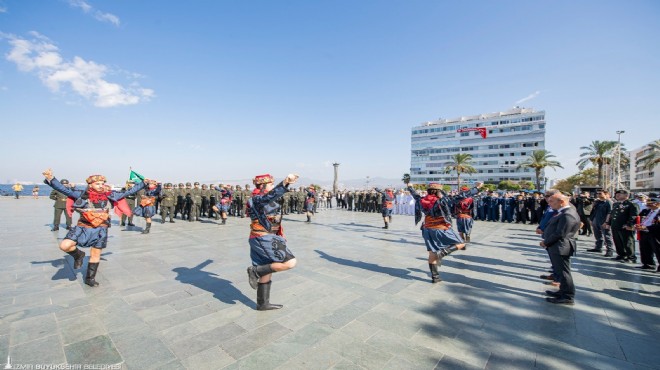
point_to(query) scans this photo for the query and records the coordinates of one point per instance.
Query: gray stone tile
(80, 328)
(32, 328)
(141, 349)
(251, 341)
(212, 358)
(46, 350)
(98, 350)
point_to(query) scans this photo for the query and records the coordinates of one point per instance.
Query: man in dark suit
(559, 240)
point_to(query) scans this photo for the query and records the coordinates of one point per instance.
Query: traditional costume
(310, 202)
(439, 237)
(267, 242)
(463, 209)
(224, 205)
(387, 203)
(147, 206)
(92, 228)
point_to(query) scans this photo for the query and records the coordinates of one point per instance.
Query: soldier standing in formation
(622, 223)
(60, 207)
(167, 202)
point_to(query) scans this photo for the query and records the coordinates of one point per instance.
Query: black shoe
(626, 260)
(618, 258)
(547, 277)
(561, 300)
(122, 224)
(645, 267)
(171, 221)
(608, 254)
(131, 224)
(595, 250)
(55, 229)
(68, 227)
(553, 293)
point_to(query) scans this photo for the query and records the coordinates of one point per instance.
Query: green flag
(135, 177)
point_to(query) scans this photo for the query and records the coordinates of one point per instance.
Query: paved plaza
(360, 298)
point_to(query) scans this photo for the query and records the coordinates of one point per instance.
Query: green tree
(526, 185)
(406, 178)
(588, 177)
(539, 160)
(598, 154)
(652, 159)
(461, 163)
(508, 185)
(489, 187)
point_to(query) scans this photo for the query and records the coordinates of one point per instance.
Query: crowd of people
(560, 217)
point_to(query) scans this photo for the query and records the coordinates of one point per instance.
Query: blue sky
(203, 90)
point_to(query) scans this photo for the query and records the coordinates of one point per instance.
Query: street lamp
(618, 161)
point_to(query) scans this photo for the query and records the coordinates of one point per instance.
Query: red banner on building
(482, 130)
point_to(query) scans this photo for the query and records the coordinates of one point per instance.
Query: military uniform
(168, 198)
(622, 221)
(206, 195)
(59, 207)
(195, 203)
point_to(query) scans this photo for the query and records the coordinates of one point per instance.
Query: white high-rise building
(642, 179)
(511, 136)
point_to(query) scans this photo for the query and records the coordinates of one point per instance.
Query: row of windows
(425, 152)
(489, 179)
(493, 123)
(494, 170)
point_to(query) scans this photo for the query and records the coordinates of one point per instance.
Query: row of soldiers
(192, 201)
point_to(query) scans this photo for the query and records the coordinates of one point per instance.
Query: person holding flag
(94, 205)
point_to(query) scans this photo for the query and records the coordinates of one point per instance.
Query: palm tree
(539, 160)
(599, 153)
(406, 178)
(652, 159)
(461, 164)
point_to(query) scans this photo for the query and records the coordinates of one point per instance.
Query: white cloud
(85, 78)
(529, 97)
(97, 14)
(3, 9)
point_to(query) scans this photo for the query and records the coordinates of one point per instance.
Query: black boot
(55, 228)
(255, 272)
(224, 221)
(162, 221)
(78, 257)
(386, 226)
(91, 274)
(442, 253)
(435, 275)
(146, 229)
(171, 220)
(263, 298)
(390, 217)
(309, 219)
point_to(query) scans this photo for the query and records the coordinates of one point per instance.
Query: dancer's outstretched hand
(48, 174)
(291, 178)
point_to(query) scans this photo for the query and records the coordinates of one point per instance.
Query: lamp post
(618, 161)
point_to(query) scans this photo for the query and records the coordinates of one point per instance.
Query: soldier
(493, 207)
(167, 202)
(204, 205)
(195, 202)
(622, 223)
(213, 199)
(180, 199)
(247, 194)
(130, 200)
(584, 206)
(602, 207)
(60, 206)
(508, 208)
(237, 201)
(521, 209)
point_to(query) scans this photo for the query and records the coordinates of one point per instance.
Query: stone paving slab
(360, 298)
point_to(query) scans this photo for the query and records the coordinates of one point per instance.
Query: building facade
(510, 137)
(642, 179)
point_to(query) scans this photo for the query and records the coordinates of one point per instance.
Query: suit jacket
(559, 233)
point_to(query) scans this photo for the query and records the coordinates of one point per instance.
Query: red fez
(263, 179)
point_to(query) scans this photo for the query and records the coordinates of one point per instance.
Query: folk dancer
(268, 249)
(439, 237)
(387, 203)
(94, 205)
(146, 203)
